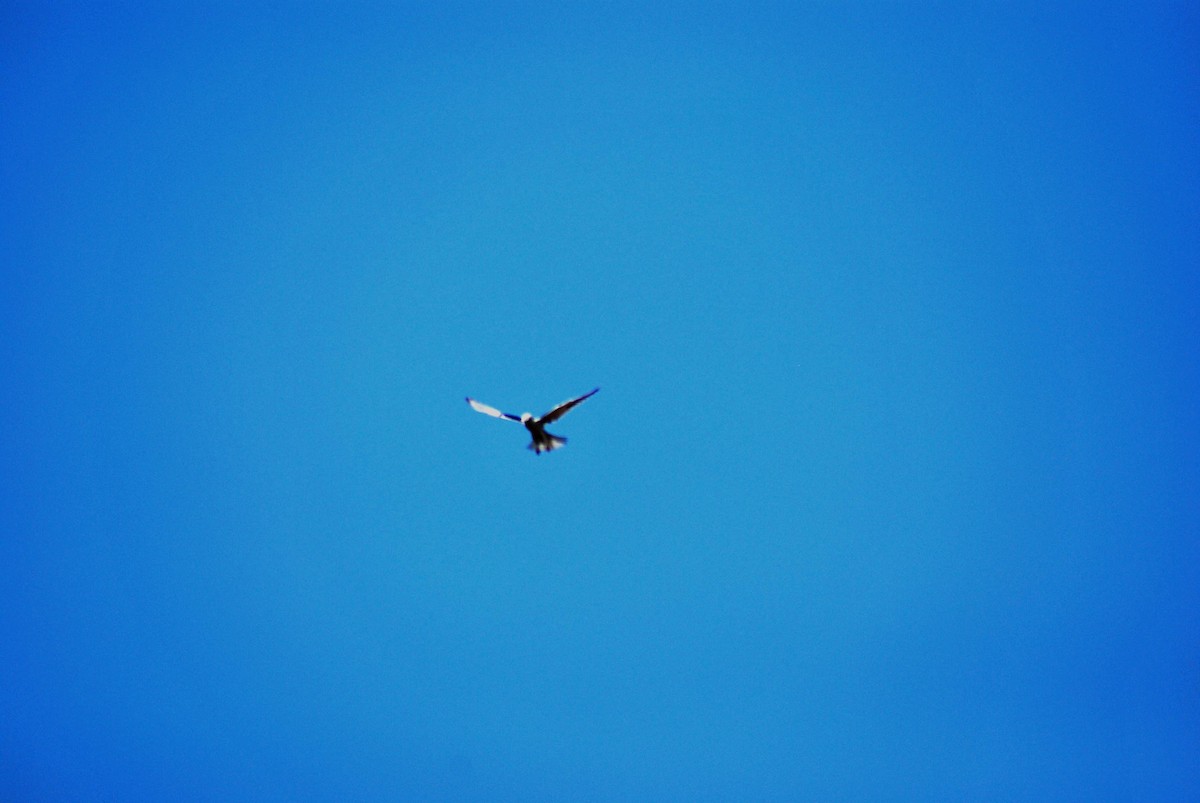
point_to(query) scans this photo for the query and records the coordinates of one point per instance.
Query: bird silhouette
(543, 441)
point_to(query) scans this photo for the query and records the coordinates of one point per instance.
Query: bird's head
(526, 417)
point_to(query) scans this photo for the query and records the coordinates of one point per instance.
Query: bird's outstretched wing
(561, 410)
(480, 407)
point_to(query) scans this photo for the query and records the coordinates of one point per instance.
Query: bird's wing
(561, 410)
(480, 407)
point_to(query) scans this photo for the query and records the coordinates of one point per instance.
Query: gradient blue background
(892, 490)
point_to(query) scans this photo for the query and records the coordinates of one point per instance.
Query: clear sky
(892, 489)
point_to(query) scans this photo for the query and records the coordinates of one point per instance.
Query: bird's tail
(551, 443)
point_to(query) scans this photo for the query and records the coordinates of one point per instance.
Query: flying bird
(543, 441)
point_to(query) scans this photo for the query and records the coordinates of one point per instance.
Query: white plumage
(543, 441)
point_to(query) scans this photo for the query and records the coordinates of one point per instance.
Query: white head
(526, 417)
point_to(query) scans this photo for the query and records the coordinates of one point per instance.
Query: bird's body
(543, 441)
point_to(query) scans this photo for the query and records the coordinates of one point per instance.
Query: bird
(543, 441)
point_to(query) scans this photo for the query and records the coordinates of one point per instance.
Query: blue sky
(891, 490)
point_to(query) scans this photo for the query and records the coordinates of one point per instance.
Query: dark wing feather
(561, 410)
